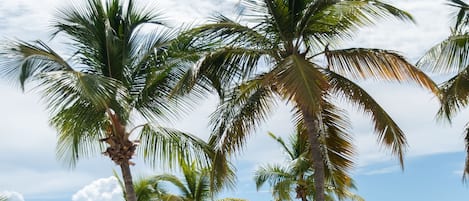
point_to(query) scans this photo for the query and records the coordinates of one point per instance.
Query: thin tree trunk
(128, 183)
(312, 127)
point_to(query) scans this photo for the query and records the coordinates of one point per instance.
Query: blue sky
(434, 160)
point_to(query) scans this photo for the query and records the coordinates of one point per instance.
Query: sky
(434, 159)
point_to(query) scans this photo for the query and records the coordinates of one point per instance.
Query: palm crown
(193, 185)
(124, 66)
(275, 53)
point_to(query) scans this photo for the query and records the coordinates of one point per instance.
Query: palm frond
(388, 132)
(278, 177)
(336, 147)
(61, 89)
(120, 182)
(300, 81)
(451, 55)
(466, 165)
(462, 16)
(194, 184)
(23, 61)
(243, 109)
(228, 65)
(340, 150)
(354, 197)
(165, 73)
(279, 19)
(174, 180)
(222, 171)
(102, 32)
(168, 147)
(341, 19)
(230, 32)
(80, 128)
(284, 146)
(139, 14)
(453, 95)
(377, 64)
(270, 173)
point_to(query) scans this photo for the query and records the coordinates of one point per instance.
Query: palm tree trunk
(128, 183)
(312, 127)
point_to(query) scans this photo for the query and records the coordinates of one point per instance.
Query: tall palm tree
(195, 185)
(452, 56)
(274, 52)
(297, 175)
(121, 67)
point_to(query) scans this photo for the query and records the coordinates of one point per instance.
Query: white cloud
(104, 189)
(12, 195)
(385, 170)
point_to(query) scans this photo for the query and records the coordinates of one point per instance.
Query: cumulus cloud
(104, 189)
(12, 195)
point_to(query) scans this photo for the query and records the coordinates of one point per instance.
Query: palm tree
(195, 185)
(276, 54)
(122, 66)
(297, 175)
(452, 56)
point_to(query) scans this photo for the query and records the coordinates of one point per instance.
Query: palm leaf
(462, 16)
(168, 147)
(466, 165)
(299, 80)
(79, 138)
(278, 177)
(453, 96)
(284, 146)
(340, 150)
(388, 133)
(103, 32)
(164, 74)
(326, 22)
(222, 171)
(230, 32)
(451, 55)
(242, 110)
(336, 148)
(61, 89)
(24, 61)
(376, 63)
(174, 181)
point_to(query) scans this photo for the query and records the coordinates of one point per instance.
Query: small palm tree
(195, 185)
(297, 175)
(122, 68)
(275, 53)
(452, 56)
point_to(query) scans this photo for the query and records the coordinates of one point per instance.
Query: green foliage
(115, 67)
(452, 56)
(296, 176)
(122, 66)
(194, 185)
(272, 52)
